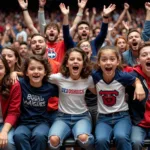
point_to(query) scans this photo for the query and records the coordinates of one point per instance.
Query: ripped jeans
(67, 124)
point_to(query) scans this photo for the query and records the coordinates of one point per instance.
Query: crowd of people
(85, 75)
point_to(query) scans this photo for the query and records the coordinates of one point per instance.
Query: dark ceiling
(8, 5)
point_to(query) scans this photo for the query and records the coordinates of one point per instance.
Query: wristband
(25, 9)
(79, 14)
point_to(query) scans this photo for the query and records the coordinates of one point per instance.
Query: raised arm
(93, 16)
(5, 36)
(126, 8)
(12, 34)
(67, 38)
(65, 12)
(87, 15)
(147, 7)
(129, 16)
(104, 27)
(107, 11)
(146, 29)
(41, 16)
(81, 5)
(24, 5)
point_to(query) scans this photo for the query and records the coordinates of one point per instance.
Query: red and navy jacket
(138, 108)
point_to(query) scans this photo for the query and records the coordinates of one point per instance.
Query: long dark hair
(6, 82)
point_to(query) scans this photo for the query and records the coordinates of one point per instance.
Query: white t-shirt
(23, 34)
(111, 96)
(71, 93)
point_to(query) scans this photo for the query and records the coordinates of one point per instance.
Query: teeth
(75, 68)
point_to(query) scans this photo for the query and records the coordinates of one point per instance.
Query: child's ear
(119, 61)
(27, 74)
(99, 65)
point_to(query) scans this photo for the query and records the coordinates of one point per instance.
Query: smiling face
(75, 64)
(10, 57)
(38, 45)
(83, 32)
(35, 73)
(134, 40)
(144, 60)
(108, 63)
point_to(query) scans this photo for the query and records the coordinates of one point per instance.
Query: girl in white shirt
(73, 116)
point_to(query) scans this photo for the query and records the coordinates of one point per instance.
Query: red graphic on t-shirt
(109, 97)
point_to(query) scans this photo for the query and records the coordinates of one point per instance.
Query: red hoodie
(11, 106)
(146, 121)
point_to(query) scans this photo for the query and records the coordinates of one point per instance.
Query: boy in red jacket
(140, 111)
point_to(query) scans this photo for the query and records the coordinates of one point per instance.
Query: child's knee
(83, 137)
(54, 140)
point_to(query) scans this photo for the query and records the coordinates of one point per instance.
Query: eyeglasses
(83, 46)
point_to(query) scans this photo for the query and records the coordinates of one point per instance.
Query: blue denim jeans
(115, 126)
(11, 144)
(31, 137)
(137, 137)
(67, 124)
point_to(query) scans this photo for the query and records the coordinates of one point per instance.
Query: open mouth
(36, 77)
(148, 64)
(108, 68)
(84, 34)
(75, 68)
(51, 34)
(135, 44)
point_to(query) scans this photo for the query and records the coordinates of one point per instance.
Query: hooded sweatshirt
(146, 120)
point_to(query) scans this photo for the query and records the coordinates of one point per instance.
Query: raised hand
(8, 27)
(126, 6)
(109, 9)
(42, 3)
(87, 12)
(82, 3)
(147, 5)
(64, 10)
(94, 10)
(23, 4)
(126, 24)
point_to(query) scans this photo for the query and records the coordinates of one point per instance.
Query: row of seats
(70, 142)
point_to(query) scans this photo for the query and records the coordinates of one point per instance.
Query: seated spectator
(34, 121)
(10, 97)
